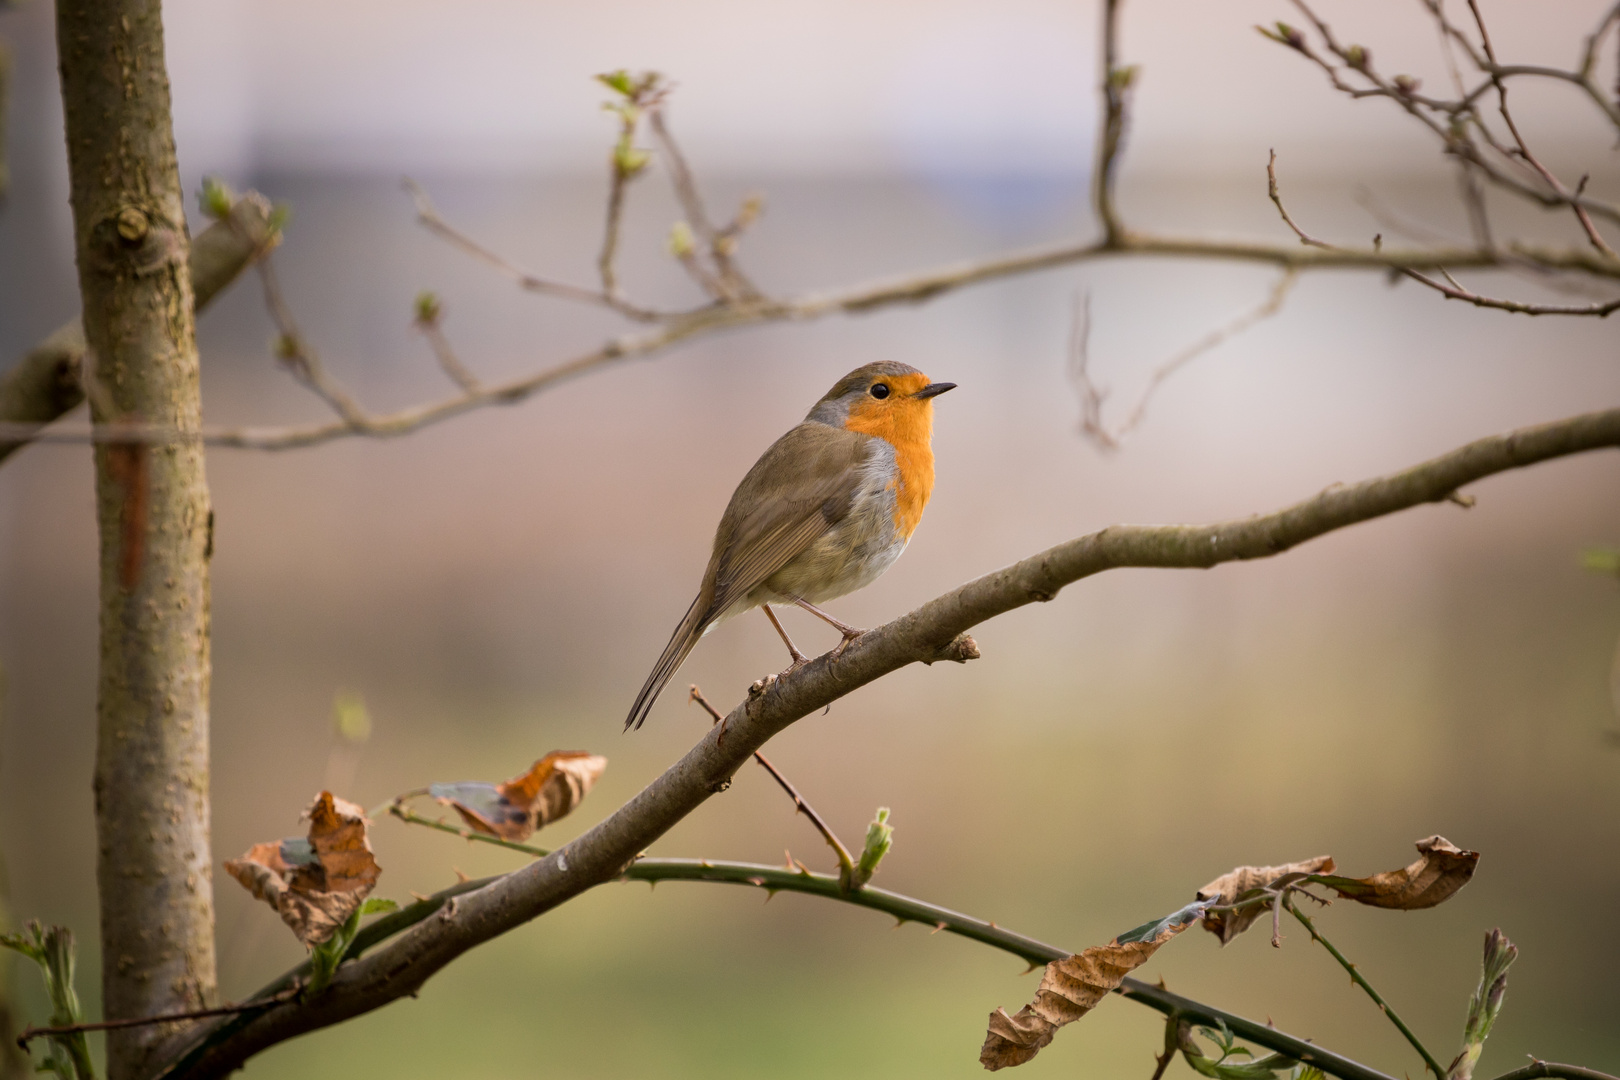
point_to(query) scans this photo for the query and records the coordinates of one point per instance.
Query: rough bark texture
(153, 861)
(44, 384)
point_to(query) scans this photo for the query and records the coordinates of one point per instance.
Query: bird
(823, 512)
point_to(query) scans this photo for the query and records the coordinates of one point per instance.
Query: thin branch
(728, 283)
(846, 861)
(1581, 215)
(47, 382)
(1450, 288)
(1455, 291)
(1091, 397)
(1116, 86)
(1361, 981)
(774, 879)
(398, 809)
(429, 322)
(911, 289)
(1276, 199)
(165, 1018)
(933, 632)
(297, 356)
(429, 217)
(1439, 116)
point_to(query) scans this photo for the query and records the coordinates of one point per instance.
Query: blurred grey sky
(776, 86)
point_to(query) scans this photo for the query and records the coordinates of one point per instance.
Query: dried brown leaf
(316, 882)
(1244, 882)
(1441, 870)
(513, 810)
(1073, 986)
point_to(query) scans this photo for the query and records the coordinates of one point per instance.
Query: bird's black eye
(880, 390)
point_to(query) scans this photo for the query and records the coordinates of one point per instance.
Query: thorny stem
(845, 861)
(905, 909)
(1172, 1043)
(31, 1033)
(1361, 981)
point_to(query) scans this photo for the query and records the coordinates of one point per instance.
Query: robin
(822, 513)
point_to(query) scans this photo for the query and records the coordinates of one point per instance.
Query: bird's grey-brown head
(865, 387)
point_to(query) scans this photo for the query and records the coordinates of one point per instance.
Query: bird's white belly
(851, 556)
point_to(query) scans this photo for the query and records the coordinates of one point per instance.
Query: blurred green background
(496, 587)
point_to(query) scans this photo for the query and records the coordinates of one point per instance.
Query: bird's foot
(851, 635)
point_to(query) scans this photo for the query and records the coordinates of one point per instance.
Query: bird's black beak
(934, 389)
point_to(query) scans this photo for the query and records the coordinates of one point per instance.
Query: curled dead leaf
(1440, 871)
(513, 810)
(1074, 985)
(316, 882)
(1247, 881)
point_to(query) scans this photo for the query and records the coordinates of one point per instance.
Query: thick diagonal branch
(935, 631)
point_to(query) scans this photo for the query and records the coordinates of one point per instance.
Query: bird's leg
(850, 633)
(799, 658)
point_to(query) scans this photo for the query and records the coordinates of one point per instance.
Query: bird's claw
(850, 637)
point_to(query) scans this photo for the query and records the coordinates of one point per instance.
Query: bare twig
(166, 1018)
(1116, 87)
(1450, 288)
(910, 289)
(429, 322)
(398, 809)
(428, 215)
(1498, 81)
(1450, 121)
(933, 632)
(846, 861)
(728, 282)
(1091, 397)
(295, 353)
(1276, 199)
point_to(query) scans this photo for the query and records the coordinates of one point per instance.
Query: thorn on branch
(846, 862)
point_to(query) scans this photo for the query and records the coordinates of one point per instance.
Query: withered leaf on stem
(1247, 881)
(1440, 871)
(316, 882)
(551, 789)
(1074, 985)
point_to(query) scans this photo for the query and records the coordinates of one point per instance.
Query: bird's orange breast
(908, 426)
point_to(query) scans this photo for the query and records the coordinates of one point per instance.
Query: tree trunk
(153, 864)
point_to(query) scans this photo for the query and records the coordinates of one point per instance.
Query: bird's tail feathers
(674, 655)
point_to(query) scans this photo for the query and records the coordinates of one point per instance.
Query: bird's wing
(800, 488)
